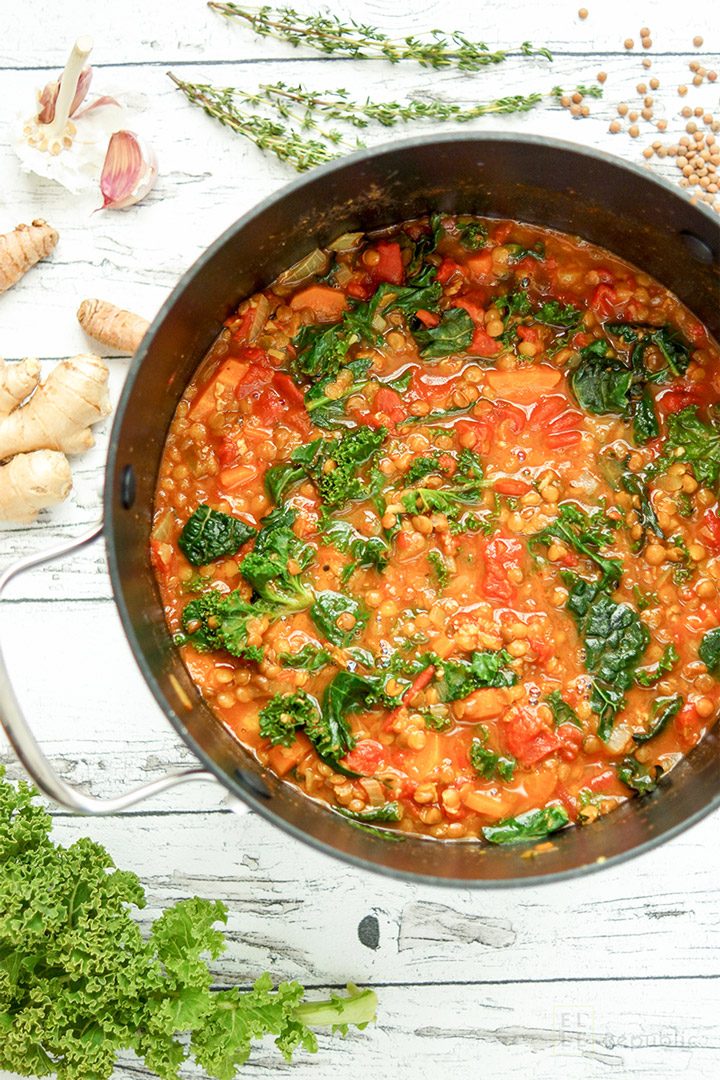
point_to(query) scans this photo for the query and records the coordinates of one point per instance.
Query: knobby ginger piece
(22, 248)
(30, 482)
(16, 382)
(59, 413)
(112, 326)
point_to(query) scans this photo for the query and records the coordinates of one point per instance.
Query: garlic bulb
(129, 172)
(62, 141)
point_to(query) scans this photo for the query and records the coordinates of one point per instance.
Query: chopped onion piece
(347, 241)
(261, 313)
(374, 789)
(317, 262)
(343, 274)
(163, 528)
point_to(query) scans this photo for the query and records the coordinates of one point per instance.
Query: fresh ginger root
(59, 413)
(30, 482)
(112, 326)
(16, 382)
(55, 420)
(22, 248)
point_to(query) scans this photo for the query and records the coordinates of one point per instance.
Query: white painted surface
(617, 974)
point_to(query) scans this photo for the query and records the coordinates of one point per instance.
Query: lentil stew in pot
(437, 529)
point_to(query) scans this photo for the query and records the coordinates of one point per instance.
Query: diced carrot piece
(227, 376)
(480, 267)
(524, 384)
(419, 764)
(485, 704)
(237, 476)
(326, 304)
(200, 665)
(443, 646)
(491, 805)
(284, 758)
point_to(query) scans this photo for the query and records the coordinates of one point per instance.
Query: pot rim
(247, 795)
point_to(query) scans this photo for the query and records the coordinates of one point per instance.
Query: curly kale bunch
(79, 982)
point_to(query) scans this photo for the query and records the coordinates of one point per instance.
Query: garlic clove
(129, 172)
(49, 96)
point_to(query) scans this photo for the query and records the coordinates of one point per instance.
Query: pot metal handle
(24, 742)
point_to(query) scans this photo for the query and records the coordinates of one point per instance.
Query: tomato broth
(437, 529)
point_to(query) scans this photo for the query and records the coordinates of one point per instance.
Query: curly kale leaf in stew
(437, 529)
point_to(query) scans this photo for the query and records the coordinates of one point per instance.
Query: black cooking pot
(587, 193)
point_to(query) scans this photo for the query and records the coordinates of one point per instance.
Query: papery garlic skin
(129, 172)
(49, 95)
(78, 167)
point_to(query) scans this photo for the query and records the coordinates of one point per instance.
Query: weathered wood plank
(192, 32)
(583, 1031)
(302, 915)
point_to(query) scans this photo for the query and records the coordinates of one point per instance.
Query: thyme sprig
(585, 91)
(337, 105)
(280, 139)
(298, 109)
(329, 34)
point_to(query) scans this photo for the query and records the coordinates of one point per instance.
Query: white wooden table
(614, 974)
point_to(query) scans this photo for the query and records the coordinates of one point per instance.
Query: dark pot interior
(592, 195)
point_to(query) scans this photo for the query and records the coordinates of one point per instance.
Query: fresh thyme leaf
(330, 35)
(267, 134)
